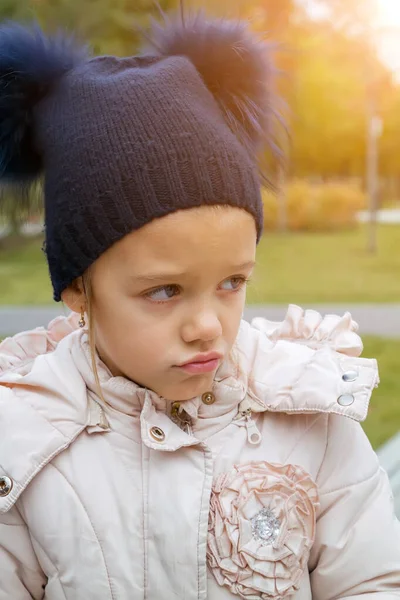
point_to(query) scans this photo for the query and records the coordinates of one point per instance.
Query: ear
(74, 296)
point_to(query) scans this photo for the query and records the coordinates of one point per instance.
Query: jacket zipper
(181, 418)
(244, 420)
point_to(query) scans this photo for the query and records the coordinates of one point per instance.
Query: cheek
(232, 318)
(114, 318)
(129, 331)
(116, 324)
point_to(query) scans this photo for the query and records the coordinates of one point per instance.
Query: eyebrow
(171, 276)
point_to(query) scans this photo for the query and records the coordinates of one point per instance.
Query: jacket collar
(45, 405)
(125, 396)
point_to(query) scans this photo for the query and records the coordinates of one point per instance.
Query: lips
(202, 363)
(203, 358)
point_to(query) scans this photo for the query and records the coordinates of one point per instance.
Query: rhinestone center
(265, 526)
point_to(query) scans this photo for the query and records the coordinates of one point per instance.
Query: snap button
(346, 400)
(350, 376)
(157, 434)
(6, 486)
(208, 398)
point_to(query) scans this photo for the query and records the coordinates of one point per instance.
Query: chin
(191, 388)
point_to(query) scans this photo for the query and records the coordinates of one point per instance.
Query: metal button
(346, 400)
(157, 434)
(350, 376)
(208, 398)
(6, 486)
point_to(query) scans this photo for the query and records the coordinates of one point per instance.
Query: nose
(203, 326)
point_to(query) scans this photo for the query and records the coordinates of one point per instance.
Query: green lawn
(383, 419)
(327, 268)
(297, 268)
(24, 277)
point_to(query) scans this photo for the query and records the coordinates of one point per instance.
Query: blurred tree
(329, 103)
(351, 16)
(111, 26)
(322, 49)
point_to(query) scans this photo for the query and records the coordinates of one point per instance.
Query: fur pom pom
(30, 64)
(236, 67)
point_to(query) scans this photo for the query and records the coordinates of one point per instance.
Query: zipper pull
(253, 433)
(180, 418)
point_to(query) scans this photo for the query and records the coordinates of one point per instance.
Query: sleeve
(356, 553)
(21, 577)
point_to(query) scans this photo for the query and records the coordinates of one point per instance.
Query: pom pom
(235, 66)
(30, 64)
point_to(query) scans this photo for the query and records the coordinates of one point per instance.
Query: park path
(374, 319)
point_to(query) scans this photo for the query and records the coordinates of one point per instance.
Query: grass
(383, 420)
(327, 268)
(297, 268)
(24, 277)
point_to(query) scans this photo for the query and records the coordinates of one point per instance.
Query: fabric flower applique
(261, 529)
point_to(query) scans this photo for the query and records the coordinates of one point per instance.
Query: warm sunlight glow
(387, 26)
(389, 12)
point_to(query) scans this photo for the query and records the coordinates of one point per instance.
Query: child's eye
(162, 294)
(234, 284)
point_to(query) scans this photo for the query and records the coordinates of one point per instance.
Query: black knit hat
(122, 141)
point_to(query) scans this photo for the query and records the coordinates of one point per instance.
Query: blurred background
(332, 224)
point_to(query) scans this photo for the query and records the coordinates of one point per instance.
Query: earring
(82, 322)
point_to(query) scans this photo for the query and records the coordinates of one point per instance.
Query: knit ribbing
(129, 140)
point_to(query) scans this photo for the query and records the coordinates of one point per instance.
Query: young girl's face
(171, 291)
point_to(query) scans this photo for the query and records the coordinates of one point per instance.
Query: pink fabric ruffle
(309, 327)
(240, 561)
(20, 350)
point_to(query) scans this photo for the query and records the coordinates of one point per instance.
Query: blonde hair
(88, 290)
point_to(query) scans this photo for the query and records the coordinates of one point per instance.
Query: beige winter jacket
(265, 487)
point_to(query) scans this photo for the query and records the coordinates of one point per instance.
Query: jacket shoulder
(307, 364)
(42, 410)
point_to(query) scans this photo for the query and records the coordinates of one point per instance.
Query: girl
(165, 449)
